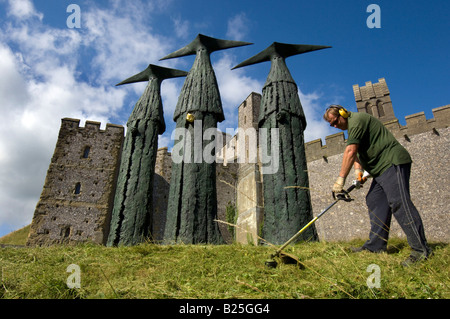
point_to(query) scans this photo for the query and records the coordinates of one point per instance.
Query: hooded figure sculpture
(192, 205)
(131, 220)
(287, 204)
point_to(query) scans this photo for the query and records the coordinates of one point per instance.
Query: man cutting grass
(371, 147)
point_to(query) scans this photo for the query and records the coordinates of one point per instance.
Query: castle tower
(77, 197)
(375, 99)
(249, 194)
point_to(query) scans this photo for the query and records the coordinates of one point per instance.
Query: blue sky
(50, 71)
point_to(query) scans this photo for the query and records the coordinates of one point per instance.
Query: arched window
(380, 109)
(369, 108)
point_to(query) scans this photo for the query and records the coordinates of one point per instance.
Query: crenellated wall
(77, 197)
(415, 124)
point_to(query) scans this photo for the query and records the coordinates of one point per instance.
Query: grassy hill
(18, 237)
(216, 272)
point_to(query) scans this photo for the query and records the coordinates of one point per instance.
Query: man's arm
(357, 164)
(349, 160)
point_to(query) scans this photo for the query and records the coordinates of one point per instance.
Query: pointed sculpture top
(284, 50)
(203, 41)
(156, 72)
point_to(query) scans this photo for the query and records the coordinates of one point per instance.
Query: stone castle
(76, 200)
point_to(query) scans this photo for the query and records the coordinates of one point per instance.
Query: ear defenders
(342, 111)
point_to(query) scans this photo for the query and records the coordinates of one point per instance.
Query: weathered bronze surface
(287, 203)
(192, 205)
(131, 219)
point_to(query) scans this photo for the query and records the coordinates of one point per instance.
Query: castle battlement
(370, 90)
(71, 123)
(77, 197)
(415, 124)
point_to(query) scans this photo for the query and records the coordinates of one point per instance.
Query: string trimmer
(290, 259)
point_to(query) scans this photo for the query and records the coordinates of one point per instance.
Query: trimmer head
(271, 263)
(284, 258)
(291, 259)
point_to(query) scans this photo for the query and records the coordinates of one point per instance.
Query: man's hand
(359, 174)
(360, 178)
(359, 181)
(338, 186)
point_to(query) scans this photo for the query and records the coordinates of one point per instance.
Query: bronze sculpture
(192, 205)
(131, 219)
(287, 205)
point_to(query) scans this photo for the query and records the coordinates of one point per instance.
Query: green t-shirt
(378, 149)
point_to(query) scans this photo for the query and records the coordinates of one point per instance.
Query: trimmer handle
(345, 193)
(362, 178)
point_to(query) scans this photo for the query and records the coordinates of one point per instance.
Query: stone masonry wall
(428, 142)
(76, 200)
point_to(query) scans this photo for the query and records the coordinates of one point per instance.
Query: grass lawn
(218, 272)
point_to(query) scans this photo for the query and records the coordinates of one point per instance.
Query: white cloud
(40, 84)
(13, 88)
(234, 87)
(23, 9)
(170, 90)
(238, 27)
(181, 28)
(31, 114)
(122, 45)
(313, 106)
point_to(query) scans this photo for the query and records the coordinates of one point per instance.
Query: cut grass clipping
(217, 272)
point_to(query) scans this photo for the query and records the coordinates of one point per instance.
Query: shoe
(362, 248)
(414, 258)
(358, 249)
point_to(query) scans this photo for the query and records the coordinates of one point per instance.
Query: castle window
(86, 151)
(380, 109)
(77, 189)
(368, 107)
(65, 232)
